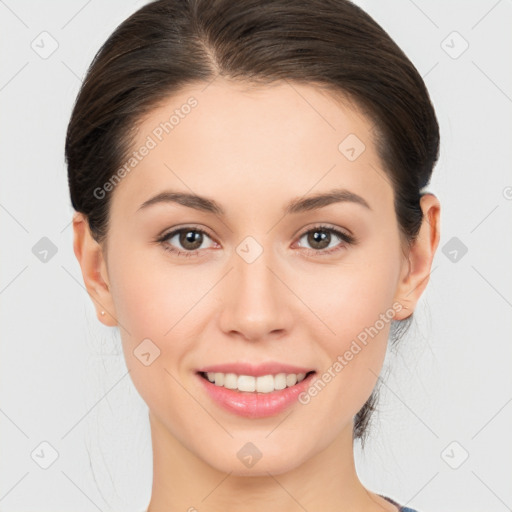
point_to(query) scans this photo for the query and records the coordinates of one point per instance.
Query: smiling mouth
(251, 384)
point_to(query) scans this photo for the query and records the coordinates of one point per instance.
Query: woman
(248, 179)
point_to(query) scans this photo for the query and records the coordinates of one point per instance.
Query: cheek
(354, 299)
(352, 357)
(155, 304)
(161, 308)
(354, 295)
(152, 295)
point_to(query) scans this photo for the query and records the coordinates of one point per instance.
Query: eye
(326, 240)
(189, 238)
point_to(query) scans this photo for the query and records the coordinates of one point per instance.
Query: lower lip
(254, 404)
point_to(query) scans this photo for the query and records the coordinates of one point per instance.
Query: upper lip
(256, 370)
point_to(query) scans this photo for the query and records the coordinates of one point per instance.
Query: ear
(416, 269)
(94, 270)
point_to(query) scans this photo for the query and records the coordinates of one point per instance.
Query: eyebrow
(298, 205)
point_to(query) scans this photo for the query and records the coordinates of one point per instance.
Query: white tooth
(230, 381)
(249, 383)
(246, 383)
(291, 379)
(219, 379)
(280, 381)
(265, 384)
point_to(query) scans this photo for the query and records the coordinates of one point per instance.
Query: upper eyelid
(326, 227)
(174, 231)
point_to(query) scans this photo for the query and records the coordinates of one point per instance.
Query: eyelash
(346, 239)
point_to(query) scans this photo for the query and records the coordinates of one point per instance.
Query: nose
(256, 303)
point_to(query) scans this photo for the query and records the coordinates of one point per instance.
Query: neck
(328, 481)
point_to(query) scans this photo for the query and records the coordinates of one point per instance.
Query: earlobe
(414, 280)
(90, 257)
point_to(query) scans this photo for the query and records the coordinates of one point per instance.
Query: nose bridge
(255, 305)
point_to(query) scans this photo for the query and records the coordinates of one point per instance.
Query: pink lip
(254, 404)
(269, 368)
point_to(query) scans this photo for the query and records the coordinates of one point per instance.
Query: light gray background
(446, 393)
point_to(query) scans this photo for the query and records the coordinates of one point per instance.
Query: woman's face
(260, 283)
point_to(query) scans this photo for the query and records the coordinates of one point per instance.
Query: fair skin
(252, 151)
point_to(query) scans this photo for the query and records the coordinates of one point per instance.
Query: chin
(256, 458)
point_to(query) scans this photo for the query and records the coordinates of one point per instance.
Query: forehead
(282, 137)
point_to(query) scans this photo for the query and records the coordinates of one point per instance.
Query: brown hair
(169, 44)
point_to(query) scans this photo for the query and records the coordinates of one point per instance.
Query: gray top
(402, 509)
